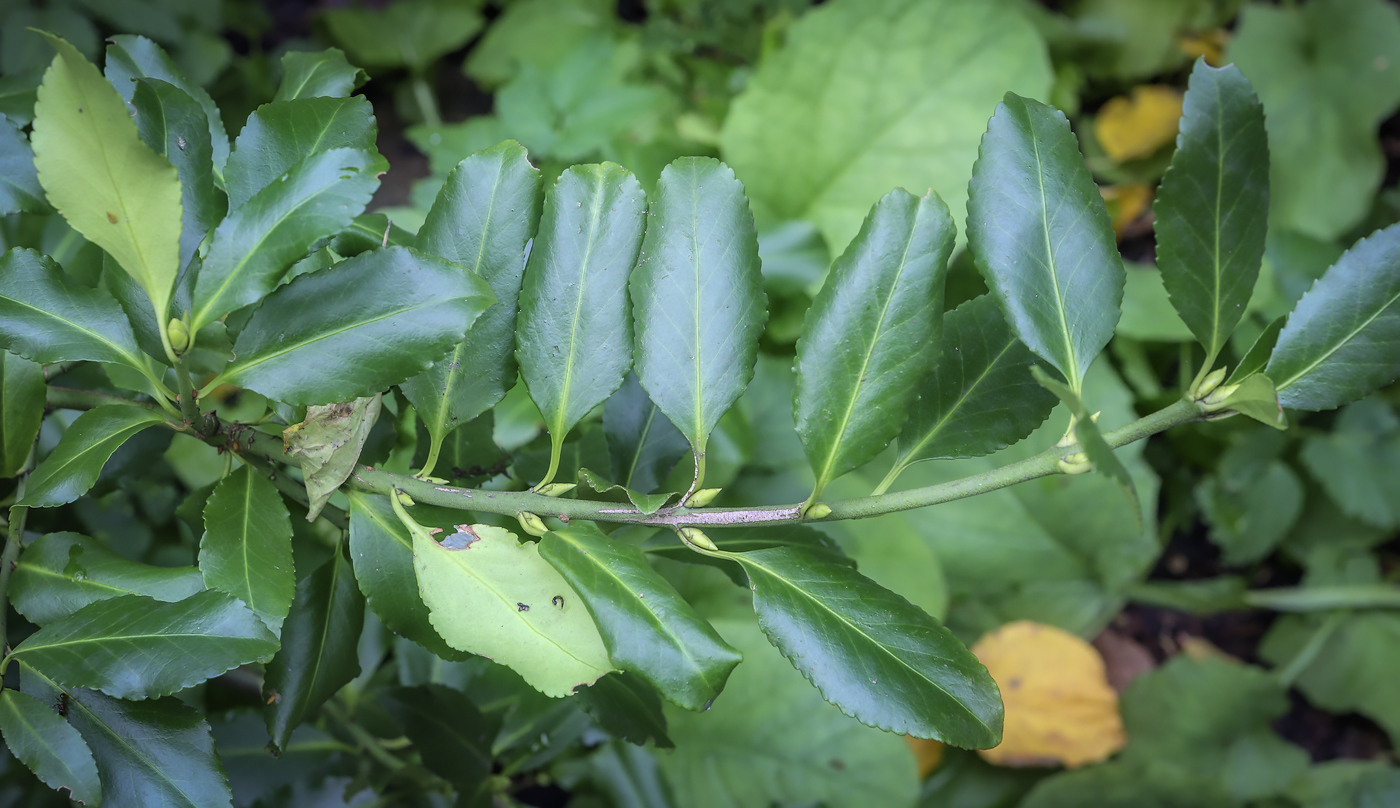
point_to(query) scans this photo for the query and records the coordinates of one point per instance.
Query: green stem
(427, 104)
(434, 449)
(14, 540)
(1306, 655)
(189, 402)
(362, 737)
(1325, 598)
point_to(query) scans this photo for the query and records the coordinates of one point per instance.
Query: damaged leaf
(328, 443)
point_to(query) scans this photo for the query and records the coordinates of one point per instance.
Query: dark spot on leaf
(522, 607)
(557, 600)
(462, 539)
(111, 217)
(837, 764)
(1014, 683)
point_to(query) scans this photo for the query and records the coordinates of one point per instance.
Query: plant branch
(189, 403)
(14, 539)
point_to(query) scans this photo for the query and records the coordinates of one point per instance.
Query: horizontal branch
(247, 441)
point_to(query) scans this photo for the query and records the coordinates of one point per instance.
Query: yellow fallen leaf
(1126, 204)
(1060, 708)
(1210, 44)
(928, 754)
(1136, 126)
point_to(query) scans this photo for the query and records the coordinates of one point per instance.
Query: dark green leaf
(450, 733)
(1090, 438)
(52, 749)
(648, 627)
(309, 74)
(667, 544)
(17, 96)
(468, 455)
(282, 134)
(646, 503)
(574, 338)
(484, 216)
(259, 241)
(1342, 341)
(698, 298)
(869, 651)
(61, 573)
(22, 392)
(628, 708)
(134, 57)
(73, 465)
(1039, 229)
(643, 444)
(1117, 785)
(173, 125)
(382, 550)
(1257, 358)
(356, 328)
(247, 546)
(369, 231)
(139, 648)
(19, 181)
(872, 334)
(1213, 205)
(319, 640)
(980, 397)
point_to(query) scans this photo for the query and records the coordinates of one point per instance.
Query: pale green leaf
(328, 443)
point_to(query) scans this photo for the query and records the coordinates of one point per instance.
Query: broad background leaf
(643, 444)
(73, 465)
(19, 180)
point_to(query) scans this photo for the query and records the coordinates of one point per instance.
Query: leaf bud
(821, 510)
(702, 497)
(1209, 383)
(1077, 463)
(556, 489)
(531, 523)
(404, 499)
(697, 537)
(179, 334)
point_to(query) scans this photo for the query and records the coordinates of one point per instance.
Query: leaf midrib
(962, 399)
(558, 429)
(1073, 370)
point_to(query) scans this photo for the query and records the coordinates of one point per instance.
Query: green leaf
(73, 465)
(1256, 398)
(489, 594)
(1116, 785)
(319, 641)
(1354, 462)
(647, 626)
(1148, 314)
(139, 648)
(1340, 343)
(382, 551)
(1257, 358)
(667, 544)
(868, 95)
(574, 336)
(870, 652)
(108, 185)
(643, 444)
(1090, 437)
(539, 33)
(52, 749)
(646, 503)
(328, 444)
(626, 707)
(45, 317)
(246, 550)
(173, 125)
(253, 248)
(153, 752)
(770, 739)
(1251, 502)
(698, 298)
(872, 334)
(1212, 206)
(61, 573)
(356, 328)
(483, 217)
(22, 392)
(312, 74)
(412, 34)
(1328, 73)
(135, 57)
(282, 134)
(19, 180)
(980, 397)
(450, 733)
(1041, 235)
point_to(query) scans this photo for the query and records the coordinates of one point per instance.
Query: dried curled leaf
(1060, 708)
(328, 443)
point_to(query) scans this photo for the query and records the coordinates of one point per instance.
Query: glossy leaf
(282, 134)
(253, 248)
(450, 733)
(319, 640)
(1257, 357)
(872, 334)
(643, 444)
(311, 74)
(698, 298)
(134, 57)
(108, 185)
(484, 216)
(1042, 237)
(355, 328)
(173, 125)
(980, 396)
(1342, 341)
(22, 392)
(45, 317)
(19, 180)
(1090, 438)
(1212, 208)
(382, 551)
(647, 626)
(667, 544)
(574, 336)
(626, 707)
(246, 550)
(328, 444)
(53, 750)
(489, 594)
(136, 647)
(646, 503)
(61, 573)
(881, 660)
(73, 465)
